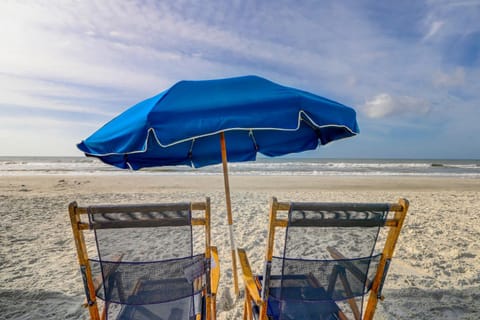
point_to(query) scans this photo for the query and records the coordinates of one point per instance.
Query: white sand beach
(435, 273)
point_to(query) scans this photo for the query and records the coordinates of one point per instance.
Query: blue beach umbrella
(184, 124)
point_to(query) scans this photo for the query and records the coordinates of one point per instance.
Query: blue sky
(411, 69)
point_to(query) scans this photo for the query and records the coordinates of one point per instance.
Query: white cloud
(42, 135)
(457, 78)
(435, 26)
(145, 47)
(385, 105)
(43, 123)
(44, 143)
(91, 59)
(447, 21)
(44, 95)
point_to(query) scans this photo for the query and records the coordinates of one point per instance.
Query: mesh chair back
(146, 261)
(328, 255)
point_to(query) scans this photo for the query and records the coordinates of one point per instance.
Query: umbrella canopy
(179, 126)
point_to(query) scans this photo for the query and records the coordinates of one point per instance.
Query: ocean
(263, 166)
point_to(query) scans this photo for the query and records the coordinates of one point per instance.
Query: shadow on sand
(411, 303)
(415, 303)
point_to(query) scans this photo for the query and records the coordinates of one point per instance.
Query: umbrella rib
(125, 158)
(190, 153)
(253, 139)
(311, 125)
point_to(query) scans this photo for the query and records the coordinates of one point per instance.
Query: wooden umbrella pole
(229, 211)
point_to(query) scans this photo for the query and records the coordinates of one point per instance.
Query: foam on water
(263, 166)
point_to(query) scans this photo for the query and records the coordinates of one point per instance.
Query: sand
(434, 274)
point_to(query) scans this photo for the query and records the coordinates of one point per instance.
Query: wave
(276, 166)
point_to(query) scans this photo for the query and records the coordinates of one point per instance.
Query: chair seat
(150, 292)
(299, 302)
(182, 308)
(152, 312)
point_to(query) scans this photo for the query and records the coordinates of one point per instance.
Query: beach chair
(153, 261)
(322, 259)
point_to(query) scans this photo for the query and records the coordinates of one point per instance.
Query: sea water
(262, 166)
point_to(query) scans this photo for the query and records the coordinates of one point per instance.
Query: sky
(411, 69)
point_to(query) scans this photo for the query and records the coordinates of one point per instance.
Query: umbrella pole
(229, 211)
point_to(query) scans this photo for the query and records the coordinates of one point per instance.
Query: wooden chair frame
(92, 285)
(253, 286)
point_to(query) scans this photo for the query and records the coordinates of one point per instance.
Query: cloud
(453, 30)
(434, 28)
(385, 105)
(145, 47)
(43, 96)
(32, 135)
(86, 61)
(457, 78)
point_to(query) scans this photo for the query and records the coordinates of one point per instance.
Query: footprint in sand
(23, 188)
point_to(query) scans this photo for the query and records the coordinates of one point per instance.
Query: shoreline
(150, 183)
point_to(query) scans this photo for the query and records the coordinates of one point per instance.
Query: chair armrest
(248, 279)
(215, 270)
